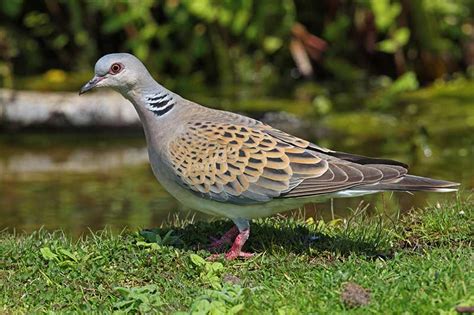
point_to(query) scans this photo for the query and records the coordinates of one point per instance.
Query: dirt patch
(353, 295)
(231, 279)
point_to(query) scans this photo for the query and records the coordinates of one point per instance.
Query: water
(89, 180)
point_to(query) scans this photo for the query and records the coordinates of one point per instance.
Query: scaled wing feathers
(229, 162)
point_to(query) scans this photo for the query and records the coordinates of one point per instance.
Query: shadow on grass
(279, 236)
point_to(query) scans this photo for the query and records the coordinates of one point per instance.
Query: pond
(78, 181)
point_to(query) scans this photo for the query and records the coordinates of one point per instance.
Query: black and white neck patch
(160, 103)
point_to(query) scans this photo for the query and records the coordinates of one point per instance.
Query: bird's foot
(233, 255)
(226, 239)
(230, 256)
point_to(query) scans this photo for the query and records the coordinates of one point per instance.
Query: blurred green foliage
(193, 43)
(199, 40)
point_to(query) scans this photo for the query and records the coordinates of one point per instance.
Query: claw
(244, 255)
(230, 256)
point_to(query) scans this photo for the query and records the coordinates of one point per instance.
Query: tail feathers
(413, 183)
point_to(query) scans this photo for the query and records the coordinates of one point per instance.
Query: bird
(228, 165)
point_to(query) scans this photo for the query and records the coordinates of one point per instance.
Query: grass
(419, 263)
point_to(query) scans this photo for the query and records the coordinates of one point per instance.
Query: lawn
(422, 262)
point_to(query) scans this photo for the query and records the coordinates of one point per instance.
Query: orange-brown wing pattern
(229, 162)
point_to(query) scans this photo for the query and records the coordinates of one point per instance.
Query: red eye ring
(116, 68)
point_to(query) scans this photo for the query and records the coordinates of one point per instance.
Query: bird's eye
(116, 68)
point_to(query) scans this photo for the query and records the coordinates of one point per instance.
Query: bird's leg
(226, 238)
(241, 232)
(236, 249)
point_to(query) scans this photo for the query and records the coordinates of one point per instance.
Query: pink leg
(226, 238)
(236, 249)
(241, 232)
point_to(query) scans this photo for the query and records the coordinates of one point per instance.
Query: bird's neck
(152, 98)
(153, 104)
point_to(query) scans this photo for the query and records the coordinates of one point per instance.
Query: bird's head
(120, 71)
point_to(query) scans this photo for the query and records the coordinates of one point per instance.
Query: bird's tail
(413, 183)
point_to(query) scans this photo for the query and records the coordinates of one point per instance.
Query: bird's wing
(251, 164)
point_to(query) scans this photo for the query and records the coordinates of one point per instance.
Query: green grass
(420, 263)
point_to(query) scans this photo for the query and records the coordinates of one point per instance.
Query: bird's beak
(91, 84)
